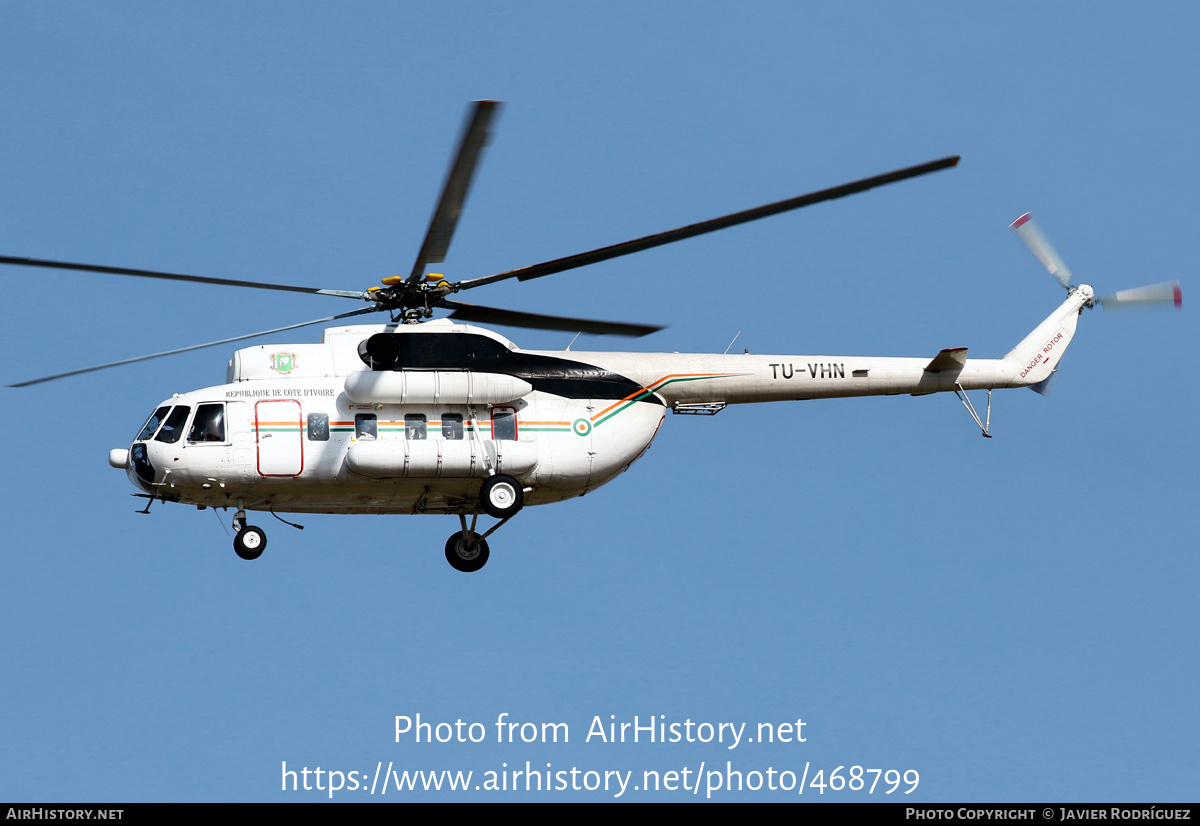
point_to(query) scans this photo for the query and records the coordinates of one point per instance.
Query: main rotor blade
(475, 136)
(171, 276)
(512, 318)
(1167, 294)
(1031, 236)
(193, 347)
(692, 230)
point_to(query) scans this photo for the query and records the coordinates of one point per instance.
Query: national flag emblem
(283, 362)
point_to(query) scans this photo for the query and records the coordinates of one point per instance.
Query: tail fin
(1034, 359)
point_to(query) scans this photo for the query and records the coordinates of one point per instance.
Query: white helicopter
(434, 416)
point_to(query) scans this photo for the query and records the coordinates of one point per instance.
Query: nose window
(156, 418)
(142, 466)
(172, 428)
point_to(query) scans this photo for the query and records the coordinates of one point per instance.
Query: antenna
(739, 332)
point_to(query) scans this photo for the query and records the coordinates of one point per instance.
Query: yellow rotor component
(392, 280)
(374, 289)
(434, 276)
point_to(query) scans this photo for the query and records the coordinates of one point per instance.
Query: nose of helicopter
(137, 465)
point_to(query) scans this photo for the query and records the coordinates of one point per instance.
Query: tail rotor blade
(1032, 237)
(1167, 294)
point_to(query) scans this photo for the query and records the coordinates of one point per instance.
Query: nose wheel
(250, 542)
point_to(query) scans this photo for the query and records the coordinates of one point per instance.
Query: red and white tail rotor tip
(1168, 293)
(1029, 234)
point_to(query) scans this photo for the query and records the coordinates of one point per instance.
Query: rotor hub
(420, 297)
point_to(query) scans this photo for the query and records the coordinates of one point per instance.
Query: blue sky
(1014, 618)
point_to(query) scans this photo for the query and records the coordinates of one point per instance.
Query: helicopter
(424, 415)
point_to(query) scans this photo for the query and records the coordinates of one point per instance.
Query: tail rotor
(1155, 296)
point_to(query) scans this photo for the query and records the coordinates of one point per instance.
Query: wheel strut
(468, 532)
(466, 550)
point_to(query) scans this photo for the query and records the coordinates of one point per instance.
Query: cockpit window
(172, 429)
(156, 418)
(209, 424)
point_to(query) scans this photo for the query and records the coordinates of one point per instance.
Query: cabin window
(504, 423)
(156, 418)
(414, 426)
(318, 427)
(209, 424)
(452, 426)
(172, 429)
(366, 426)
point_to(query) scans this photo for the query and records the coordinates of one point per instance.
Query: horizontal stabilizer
(952, 359)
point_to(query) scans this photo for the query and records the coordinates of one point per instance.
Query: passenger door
(279, 430)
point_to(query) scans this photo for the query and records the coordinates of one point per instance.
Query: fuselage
(312, 428)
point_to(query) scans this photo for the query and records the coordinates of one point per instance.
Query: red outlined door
(279, 431)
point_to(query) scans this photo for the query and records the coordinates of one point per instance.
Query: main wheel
(250, 542)
(501, 496)
(464, 558)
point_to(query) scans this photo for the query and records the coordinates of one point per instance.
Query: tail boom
(697, 378)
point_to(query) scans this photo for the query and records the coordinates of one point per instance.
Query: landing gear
(250, 542)
(501, 496)
(466, 552)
